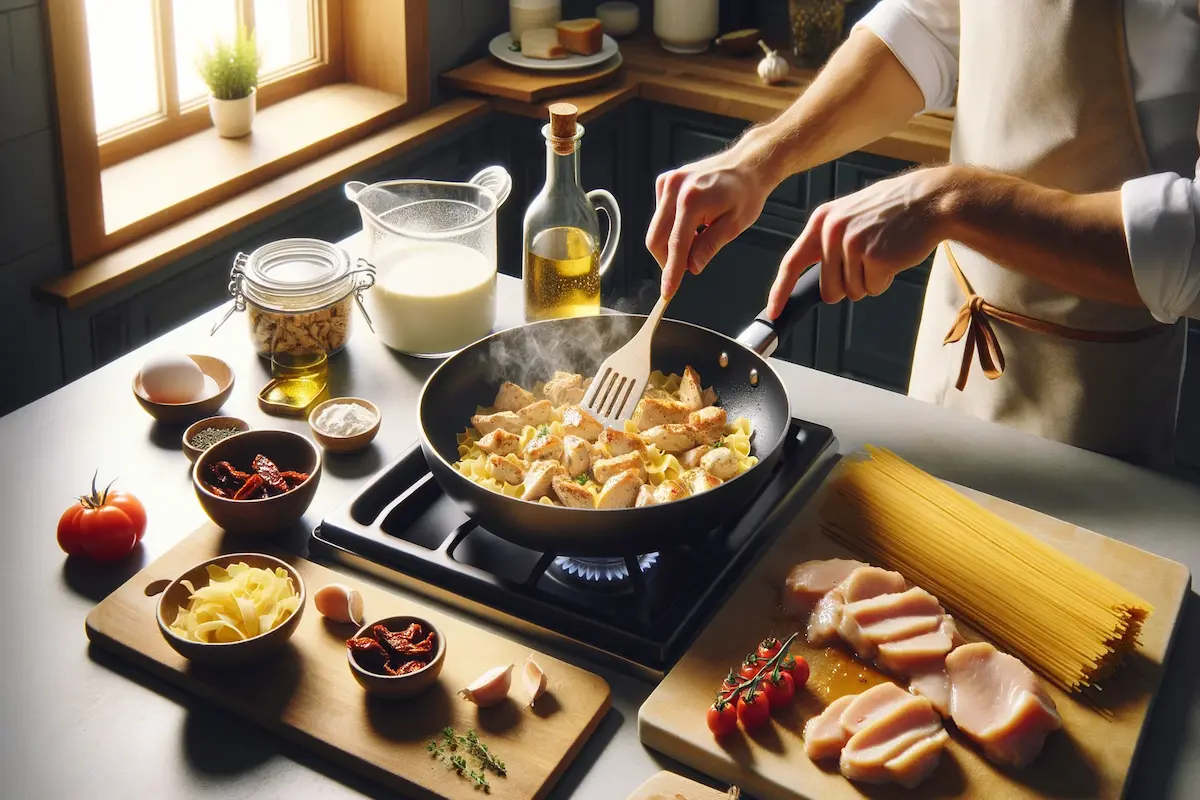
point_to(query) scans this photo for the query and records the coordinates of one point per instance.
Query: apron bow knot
(972, 322)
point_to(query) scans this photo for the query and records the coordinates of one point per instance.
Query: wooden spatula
(621, 379)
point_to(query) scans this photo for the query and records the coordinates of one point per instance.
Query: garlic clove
(339, 603)
(535, 680)
(773, 68)
(489, 688)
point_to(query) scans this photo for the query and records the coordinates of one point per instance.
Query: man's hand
(723, 193)
(864, 239)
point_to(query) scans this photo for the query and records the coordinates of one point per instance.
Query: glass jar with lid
(298, 294)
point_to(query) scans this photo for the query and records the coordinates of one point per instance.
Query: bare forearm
(862, 94)
(1074, 242)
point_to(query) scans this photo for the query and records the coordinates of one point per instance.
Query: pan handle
(763, 334)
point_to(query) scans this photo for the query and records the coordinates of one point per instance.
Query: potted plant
(230, 70)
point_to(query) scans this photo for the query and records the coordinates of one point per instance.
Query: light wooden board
(493, 77)
(308, 694)
(669, 786)
(1091, 757)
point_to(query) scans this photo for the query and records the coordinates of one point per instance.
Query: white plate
(499, 47)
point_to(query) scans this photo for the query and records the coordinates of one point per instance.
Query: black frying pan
(532, 352)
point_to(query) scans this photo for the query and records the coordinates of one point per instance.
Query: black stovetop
(402, 525)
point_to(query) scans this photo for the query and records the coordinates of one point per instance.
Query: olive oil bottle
(563, 258)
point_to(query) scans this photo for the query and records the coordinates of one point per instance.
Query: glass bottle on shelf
(562, 247)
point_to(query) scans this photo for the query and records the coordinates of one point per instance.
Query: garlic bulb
(339, 603)
(489, 688)
(534, 679)
(773, 68)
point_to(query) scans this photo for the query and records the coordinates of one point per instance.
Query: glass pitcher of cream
(433, 246)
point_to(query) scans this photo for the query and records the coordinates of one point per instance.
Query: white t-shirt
(1161, 211)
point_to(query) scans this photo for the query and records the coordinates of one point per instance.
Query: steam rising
(532, 353)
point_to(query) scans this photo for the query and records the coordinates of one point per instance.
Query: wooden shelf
(709, 82)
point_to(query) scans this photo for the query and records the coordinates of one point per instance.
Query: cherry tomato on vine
(750, 667)
(722, 717)
(768, 648)
(731, 682)
(779, 689)
(753, 708)
(103, 526)
(798, 668)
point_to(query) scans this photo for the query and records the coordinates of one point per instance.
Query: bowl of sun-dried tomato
(396, 656)
(258, 482)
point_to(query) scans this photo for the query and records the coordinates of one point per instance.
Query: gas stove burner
(602, 570)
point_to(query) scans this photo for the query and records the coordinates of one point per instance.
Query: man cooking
(1065, 225)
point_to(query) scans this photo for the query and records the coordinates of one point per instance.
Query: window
(133, 111)
(146, 91)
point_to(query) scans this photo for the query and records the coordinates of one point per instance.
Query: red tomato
(731, 682)
(750, 667)
(779, 689)
(102, 526)
(798, 668)
(753, 709)
(722, 718)
(768, 648)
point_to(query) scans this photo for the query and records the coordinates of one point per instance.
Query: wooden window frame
(174, 121)
(359, 48)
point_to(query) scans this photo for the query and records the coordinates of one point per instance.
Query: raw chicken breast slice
(872, 704)
(884, 737)
(917, 762)
(999, 703)
(810, 581)
(888, 617)
(934, 686)
(824, 736)
(921, 653)
(861, 583)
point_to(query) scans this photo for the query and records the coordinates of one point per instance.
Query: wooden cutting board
(669, 786)
(1090, 757)
(307, 693)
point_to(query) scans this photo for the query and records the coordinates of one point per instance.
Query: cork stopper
(562, 127)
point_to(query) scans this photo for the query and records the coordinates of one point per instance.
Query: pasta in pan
(539, 445)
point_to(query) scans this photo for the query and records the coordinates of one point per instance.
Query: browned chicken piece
(577, 455)
(535, 414)
(999, 703)
(861, 584)
(652, 411)
(544, 447)
(578, 422)
(709, 424)
(671, 438)
(824, 736)
(504, 470)
(645, 496)
(511, 397)
(691, 458)
(564, 388)
(669, 491)
(697, 481)
(720, 463)
(620, 491)
(866, 624)
(809, 581)
(605, 468)
(501, 420)
(868, 753)
(691, 393)
(709, 397)
(571, 494)
(539, 479)
(618, 443)
(500, 443)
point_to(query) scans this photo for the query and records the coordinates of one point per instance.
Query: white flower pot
(233, 118)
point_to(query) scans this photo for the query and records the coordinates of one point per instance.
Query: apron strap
(973, 322)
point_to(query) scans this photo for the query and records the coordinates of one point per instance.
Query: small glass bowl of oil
(298, 379)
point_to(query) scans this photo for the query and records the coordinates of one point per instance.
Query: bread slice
(583, 36)
(542, 43)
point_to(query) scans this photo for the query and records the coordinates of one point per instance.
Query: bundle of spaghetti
(1069, 622)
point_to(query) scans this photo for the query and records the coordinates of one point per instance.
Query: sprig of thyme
(447, 749)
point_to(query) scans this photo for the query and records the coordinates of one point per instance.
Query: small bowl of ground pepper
(204, 434)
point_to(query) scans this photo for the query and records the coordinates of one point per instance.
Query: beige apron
(1044, 93)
